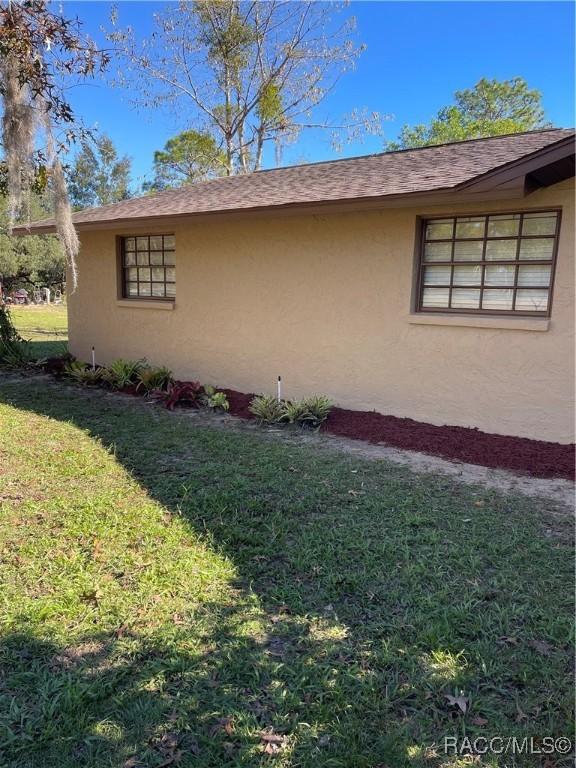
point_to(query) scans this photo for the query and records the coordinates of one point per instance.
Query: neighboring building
(434, 283)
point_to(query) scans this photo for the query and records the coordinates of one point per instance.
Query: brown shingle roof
(427, 169)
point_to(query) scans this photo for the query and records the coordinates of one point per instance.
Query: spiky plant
(82, 373)
(267, 409)
(307, 412)
(123, 373)
(150, 378)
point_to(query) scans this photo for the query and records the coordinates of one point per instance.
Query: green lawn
(171, 593)
(45, 326)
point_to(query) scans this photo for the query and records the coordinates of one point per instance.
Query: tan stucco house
(434, 283)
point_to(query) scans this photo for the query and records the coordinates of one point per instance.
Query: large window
(494, 264)
(148, 267)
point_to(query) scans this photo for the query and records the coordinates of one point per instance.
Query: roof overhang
(540, 169)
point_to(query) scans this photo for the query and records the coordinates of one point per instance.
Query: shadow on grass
(43, 349)
(381, 594)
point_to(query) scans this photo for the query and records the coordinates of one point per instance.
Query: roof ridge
(407, 149)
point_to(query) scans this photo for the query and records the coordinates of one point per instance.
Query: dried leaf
(479, 720)
(277, 647)
(272, 738)
(223, 725)
(458, 701)
(541, 647)
(504, 640)
(91, 596)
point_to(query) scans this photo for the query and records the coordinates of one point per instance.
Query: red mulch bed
(518, 454)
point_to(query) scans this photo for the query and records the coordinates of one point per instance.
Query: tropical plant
(150, 378)
(307, 412)
(188, 393)
(218, 402)
(123, 373)
(14, 350)
(57, 364)
(267, 409)
(82, 373)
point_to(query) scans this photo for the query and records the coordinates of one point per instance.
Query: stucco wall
(324, 300)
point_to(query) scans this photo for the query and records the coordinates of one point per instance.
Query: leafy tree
(39, 50)
(190, 156)
(491, 108)
(98, 175)
(34, 260)
(244, 73)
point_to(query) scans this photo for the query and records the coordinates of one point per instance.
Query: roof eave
(516, 169)
(340, 205)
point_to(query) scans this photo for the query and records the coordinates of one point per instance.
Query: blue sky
(418, 54)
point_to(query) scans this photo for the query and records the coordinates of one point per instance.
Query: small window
(148, 267)
(492, 264)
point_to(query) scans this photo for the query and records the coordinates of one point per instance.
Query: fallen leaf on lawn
(167, 743)
(353, 493)
(479, 720)
(132, 762)
(277, 647)
(97, 549)
(273, 742)
(505, 640)
(458, 701)
(177, 619)
(91, 596)
(541, 647)
(479, 503)
(120, 631)
(224, 724)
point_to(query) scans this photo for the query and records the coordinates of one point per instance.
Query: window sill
(475, 321)
(144, 304)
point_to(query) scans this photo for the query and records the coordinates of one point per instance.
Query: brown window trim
(483, 262)
(123, 267)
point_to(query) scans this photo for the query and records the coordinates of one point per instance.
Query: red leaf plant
(186, 393)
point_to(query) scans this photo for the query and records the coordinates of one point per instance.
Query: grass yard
(45, 326)
(176, 595)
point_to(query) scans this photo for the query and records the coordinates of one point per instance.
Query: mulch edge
(534, 458)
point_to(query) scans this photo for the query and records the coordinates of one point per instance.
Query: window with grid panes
(148, 267)
(492, 264)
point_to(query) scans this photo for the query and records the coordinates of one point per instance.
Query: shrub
(218, 402)
(123, 374)
(308, 412)
(14, 351)
(57, 365)
(150, 378)
(82, 373)
(180, 393)
(267, 409)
